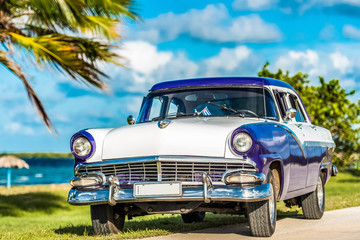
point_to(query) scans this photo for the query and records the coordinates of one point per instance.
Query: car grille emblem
(163, 123)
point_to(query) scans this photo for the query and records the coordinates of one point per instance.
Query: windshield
(237, 102)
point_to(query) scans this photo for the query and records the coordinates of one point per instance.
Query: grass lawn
(41, 212)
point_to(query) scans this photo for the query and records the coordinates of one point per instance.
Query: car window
(173, 108)
(155, 110)
(236, 102)
(295, 104)
(280, 99)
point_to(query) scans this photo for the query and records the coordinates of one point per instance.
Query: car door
(299, 135)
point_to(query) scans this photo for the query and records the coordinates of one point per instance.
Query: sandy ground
(334, 225)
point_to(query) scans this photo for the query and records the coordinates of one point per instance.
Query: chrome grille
(167, 170)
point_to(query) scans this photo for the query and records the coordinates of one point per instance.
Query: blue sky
(183, 39)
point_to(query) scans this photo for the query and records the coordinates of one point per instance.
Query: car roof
(220, 81)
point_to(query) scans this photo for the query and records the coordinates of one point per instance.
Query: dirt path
(335, 225)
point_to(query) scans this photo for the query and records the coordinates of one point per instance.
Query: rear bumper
(206, 193)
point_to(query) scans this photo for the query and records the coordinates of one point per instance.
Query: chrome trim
(114, 185)
(158, 166)
(320, 193)
(130, 120)
(106, 162)
(319, 144)
(290, 114)
(100, 177)
(334, 171)
(217, 194)
(208, 186)
(164, 123)
(259, 177)
(164, 162)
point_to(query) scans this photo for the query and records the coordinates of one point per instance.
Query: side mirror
(130, 120)
(290, 114)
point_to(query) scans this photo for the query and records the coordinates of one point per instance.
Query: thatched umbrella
(10, 162)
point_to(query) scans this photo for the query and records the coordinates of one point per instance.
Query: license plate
(157, 189)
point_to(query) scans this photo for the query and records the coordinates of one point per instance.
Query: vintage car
(222, 145)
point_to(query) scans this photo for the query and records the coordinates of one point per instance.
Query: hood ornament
(163, 123)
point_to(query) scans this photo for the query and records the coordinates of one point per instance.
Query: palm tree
(72, 36)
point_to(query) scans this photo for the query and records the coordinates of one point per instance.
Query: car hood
(199, 136)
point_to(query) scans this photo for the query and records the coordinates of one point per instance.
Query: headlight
(82, 145)
(242, 142)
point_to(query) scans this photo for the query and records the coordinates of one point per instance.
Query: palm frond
(104, 26)
(100, 17)
(79, 57)
(56, 33)
(117, 8)
(15, 69)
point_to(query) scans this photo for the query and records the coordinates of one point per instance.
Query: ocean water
(41, 171)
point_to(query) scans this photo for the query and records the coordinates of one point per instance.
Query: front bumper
(207, 193)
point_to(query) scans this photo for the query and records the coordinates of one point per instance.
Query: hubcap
(320, 193)
(272, 205)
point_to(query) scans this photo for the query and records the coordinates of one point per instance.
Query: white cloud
(307, 62)
(148, 65)
(340, 62)
(15, 128)
(227, 60)
(144, 57)
(254, 5)
(350, 31)
(213, 23)
(348, 83)
(308, 4)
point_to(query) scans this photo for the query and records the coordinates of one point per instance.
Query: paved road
(334, 225)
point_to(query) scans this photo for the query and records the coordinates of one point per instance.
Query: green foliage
(73, 36)
(328, 106)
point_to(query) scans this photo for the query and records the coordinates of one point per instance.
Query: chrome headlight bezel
(243, 134)
(89, 138)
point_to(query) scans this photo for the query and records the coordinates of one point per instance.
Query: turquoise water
(41, 171)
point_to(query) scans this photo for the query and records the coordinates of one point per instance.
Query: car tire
(193, 217)
(107, 219)
(313, 204)
(262, 215)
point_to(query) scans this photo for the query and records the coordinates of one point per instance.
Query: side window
(155, 111)
(173, 108)
(295, 104)
(280, 99)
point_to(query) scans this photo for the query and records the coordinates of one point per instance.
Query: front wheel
(313, 204)
(107, 219)
(262, 215)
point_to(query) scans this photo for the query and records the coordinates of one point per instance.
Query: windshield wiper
(227, 108)
(181, 114)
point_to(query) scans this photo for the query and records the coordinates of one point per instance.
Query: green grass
(41, 212)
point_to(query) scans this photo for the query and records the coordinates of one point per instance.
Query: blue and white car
(224, 145)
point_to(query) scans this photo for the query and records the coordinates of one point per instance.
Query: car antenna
(263, 88)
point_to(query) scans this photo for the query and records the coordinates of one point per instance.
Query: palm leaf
(79, 57)
(15, 69)
(99, 17)
(52, 32)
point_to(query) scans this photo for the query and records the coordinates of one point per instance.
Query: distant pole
(9, 178)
